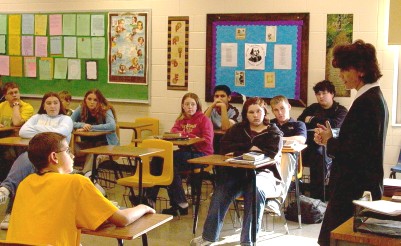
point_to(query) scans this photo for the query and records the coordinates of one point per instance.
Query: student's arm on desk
(110, 124)
(127, 216)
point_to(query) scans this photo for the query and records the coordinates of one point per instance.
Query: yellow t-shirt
(26, 110)
(49, 209)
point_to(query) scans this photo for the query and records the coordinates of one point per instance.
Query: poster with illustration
(128, 53)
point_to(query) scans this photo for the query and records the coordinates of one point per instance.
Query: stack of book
(251, 158)
(378, 217)
(173, 136)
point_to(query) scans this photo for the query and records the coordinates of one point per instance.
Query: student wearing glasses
(50, 118)
(65, 203)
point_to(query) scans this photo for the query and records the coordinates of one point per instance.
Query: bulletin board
(78, 51)
(258, 55)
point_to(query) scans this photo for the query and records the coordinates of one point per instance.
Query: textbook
(253, 156)
(173, 136)
(289, 144)
(240, 160)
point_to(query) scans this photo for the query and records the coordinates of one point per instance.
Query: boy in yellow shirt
(52, 205)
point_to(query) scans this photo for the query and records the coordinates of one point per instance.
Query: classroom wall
(370, 24)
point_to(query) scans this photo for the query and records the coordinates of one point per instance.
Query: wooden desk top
(124, 151)
(219, 132)
(14, 141)
(220, 160)
(141, 226)
(345, 233)
(132, 125)
(187, 142)
(91, 133)
(8, 128)
(297, 148)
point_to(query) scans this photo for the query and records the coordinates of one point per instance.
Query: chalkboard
(121, 72)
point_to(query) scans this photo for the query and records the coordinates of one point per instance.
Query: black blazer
(359, 149)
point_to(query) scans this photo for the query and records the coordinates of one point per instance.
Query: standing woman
(358, 151)
(192, 123)
(95, 114)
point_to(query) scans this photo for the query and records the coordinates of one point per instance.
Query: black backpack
(312, 210)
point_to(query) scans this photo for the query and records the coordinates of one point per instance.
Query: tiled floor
(179, 230)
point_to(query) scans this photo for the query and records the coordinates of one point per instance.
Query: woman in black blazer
(358, 151)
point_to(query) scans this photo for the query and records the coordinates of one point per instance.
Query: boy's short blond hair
(277, 99)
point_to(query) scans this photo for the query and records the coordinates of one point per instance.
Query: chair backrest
(167, 156)
(152, 130)
(399, 159)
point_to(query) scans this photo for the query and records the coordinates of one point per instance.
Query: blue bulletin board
(258, 55)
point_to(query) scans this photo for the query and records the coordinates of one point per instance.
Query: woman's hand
(87, 127)
(323, 134)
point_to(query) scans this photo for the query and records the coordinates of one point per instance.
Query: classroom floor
(179, 230)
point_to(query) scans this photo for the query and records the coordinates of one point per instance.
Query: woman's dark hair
(41, 146)
(101, 108)
(325, 85)
(250, 101)
(47, 95)
(360, 56)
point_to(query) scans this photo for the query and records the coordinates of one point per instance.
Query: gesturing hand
(323, 133)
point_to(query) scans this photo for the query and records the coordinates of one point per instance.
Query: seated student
(292, 130)
(194, 123)
(65, 203)
(50, 118)
(222, 113)
(326, 109)
(66, 98)
(13, 112)
(254, 133)
(95, 114)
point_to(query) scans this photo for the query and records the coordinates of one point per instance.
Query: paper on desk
(381, 206)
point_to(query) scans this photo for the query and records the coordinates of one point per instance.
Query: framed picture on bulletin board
(258, 55)
(129, 47)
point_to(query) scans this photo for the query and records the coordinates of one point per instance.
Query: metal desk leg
(297, 190)
(120, 242)
(197, 187)
(139, 161)
(144, 239)
(94, 169)
(254, 208)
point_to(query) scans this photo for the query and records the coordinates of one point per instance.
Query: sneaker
(199, 241)
(273, 206)
(4, 223)
(175, 210)
(4, 193)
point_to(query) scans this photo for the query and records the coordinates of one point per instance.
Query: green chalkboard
(125, 86)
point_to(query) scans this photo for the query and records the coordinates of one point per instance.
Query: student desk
(122, 151)
(344, 235)
(76, 134)
(296, 150)
(15, 141)
(9, 129)
(133, 126)
(220, 160)
(139, 227)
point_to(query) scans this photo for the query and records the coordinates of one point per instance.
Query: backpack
(312, 210)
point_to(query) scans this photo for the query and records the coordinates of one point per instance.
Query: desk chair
(396, 168)
(149, 180)
(143, 132)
